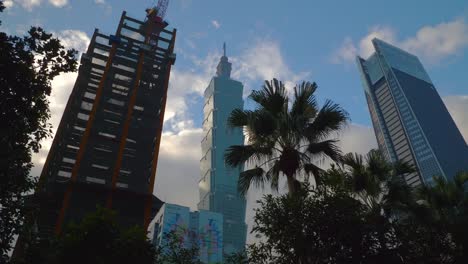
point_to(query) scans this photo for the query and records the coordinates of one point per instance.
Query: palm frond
(377, 165)
(305, 103)
(261, 125)
(461, 179)
(327, 147)
(402, 167)
(272, 97)
(330, 118)
(238, 154)
(273, 176)
(361, 180)
(399, 195)
(312, 169)
(353, 160)
(253, 176)
(336, 177)
(239, 118)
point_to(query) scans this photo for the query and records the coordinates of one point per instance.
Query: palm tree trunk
(291, 184)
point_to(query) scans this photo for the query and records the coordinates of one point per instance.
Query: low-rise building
(201, 229)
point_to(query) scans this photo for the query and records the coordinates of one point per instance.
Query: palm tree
(378, 183)
(381, 188)
(443, 206)
(284, 139)
(445, 198)
(445, 202)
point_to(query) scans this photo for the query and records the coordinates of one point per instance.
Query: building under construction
(105, 151)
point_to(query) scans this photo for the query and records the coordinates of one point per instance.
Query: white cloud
(357, 138)
(186, 85)
(215, 24)
(431, 43)
(439, 41)
(28, 4)
(8, 3)
(74, 39)
(58, 3)
(178, 167)
(105, 5)
(264, 61)
(347, 51)
(381, 32)
(458, 108)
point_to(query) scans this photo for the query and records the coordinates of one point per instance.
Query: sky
(290, 40)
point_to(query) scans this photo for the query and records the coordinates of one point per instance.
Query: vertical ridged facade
(218, 183)
(410, 120)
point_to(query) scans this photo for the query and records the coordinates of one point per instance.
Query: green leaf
(250, 177)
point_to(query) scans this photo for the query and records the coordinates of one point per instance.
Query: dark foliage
(313, 227)
(363, 212)
(175, 251)
(27, 66)
(97, 239)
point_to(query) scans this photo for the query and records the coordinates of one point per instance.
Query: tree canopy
(97, 239)
(27, 66)
(363, 212)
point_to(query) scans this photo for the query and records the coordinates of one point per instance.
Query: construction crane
(160, 9)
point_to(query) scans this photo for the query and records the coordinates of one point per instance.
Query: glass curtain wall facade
(218, 183)
(410, 120)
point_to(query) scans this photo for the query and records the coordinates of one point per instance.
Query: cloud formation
(8, 3)
(431, 43)
(178, 167)
(264, 61)
(105, 5)
(29, 5)
(58, 3)
(215, 24)
(74, 39)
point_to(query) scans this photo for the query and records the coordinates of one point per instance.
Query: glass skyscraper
(410, 120)
(218, 183)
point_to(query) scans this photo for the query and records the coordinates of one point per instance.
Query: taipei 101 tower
(218, 183)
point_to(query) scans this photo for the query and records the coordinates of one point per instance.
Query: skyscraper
(106, 147)
(410, 120)
(218, 183)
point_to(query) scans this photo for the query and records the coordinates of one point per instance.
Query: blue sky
(291, 40)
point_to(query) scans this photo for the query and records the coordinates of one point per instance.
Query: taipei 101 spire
(224, 66)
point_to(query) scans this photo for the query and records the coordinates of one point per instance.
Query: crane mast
(161, 8)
